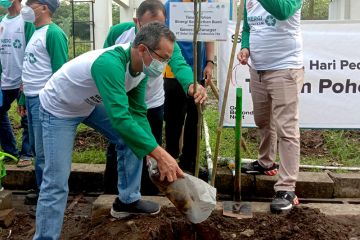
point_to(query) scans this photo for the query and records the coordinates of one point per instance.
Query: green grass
(340, 147)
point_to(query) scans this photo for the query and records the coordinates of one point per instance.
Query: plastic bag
(193, 197)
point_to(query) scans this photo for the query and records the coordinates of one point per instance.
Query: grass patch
(318, 147)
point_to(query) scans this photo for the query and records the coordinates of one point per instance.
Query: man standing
(179, 109)
(272, 38)
(150, 11)
(46, 52)
(104, 89)
(14, 35)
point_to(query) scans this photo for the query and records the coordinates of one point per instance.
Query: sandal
(24, 163)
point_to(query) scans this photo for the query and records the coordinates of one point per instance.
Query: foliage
(315, 10)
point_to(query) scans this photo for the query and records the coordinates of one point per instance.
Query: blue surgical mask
(155, 68)
(28, 14)
(6, 3)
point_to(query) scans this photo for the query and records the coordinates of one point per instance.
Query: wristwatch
(210, 61)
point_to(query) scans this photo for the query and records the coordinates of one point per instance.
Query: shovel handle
(238, 117)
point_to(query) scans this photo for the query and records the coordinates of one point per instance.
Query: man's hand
(167, 165)
(200, 95)
(208, 71)
(243, 56)
(21, 110)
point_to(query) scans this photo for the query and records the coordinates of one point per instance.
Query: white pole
(102, 21)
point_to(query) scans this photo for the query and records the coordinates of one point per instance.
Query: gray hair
(152, 6)
(150, 35)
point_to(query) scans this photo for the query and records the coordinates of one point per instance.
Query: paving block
(264, 186)
(314, 185)
(346, 185)
(224, 182)
(83, 177)
(7, 217)
(309, 185)
(86, 177)
(332, 209)
(5, 200)
(19, 178)
(102, 205)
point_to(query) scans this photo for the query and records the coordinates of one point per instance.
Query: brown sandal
(24, 163)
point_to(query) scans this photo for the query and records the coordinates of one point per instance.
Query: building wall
(344, 10)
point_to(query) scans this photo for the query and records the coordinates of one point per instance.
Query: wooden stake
(198, 105)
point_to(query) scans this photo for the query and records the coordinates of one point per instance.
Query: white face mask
(28, 14)
(155, 68)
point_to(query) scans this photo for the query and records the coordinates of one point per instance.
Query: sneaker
(256, 168)
(122, 210)
(283, 201)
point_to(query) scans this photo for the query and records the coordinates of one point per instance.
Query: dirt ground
(301, 223)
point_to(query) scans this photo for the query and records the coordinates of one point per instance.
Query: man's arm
(245, 35)
(115, 31)
(109, 79)
(281, 9)
(182, 71)
(57, 47)
(137, 105)
(29, 30)
(209, 48)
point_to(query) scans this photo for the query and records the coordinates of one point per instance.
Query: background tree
(315, 10)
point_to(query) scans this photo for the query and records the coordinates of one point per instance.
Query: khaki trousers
(275, 95)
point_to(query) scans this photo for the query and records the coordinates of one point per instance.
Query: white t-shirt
(45, 53)
(71, 92)
(274, 44)
(12, 48)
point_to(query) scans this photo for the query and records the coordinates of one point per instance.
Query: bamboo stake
(240, 8)
(198, 105)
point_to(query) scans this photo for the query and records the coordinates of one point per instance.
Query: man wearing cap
(14, 35)
(46, 52)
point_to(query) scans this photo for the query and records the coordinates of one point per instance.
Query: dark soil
(301, 223)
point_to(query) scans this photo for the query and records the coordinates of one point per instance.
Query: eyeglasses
(164, 60)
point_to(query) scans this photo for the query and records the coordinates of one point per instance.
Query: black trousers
(155, 117)
(180, 110)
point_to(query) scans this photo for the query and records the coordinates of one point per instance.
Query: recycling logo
(17, 44)
(270, 20)
(32, 58)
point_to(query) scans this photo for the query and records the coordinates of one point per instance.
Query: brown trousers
(275, 95)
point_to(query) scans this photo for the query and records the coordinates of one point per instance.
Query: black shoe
(122, 210)
(31, 198)
(256, 168)
(283, 201)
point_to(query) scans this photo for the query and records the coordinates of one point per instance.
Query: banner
(330, 96)
(213, 21)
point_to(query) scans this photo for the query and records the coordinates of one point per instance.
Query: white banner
(331, 93)
(213, 21)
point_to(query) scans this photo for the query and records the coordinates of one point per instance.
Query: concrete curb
(89, 178)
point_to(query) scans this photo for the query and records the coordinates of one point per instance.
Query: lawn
(318, 147)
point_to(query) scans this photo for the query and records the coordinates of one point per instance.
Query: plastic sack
(193, 197)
